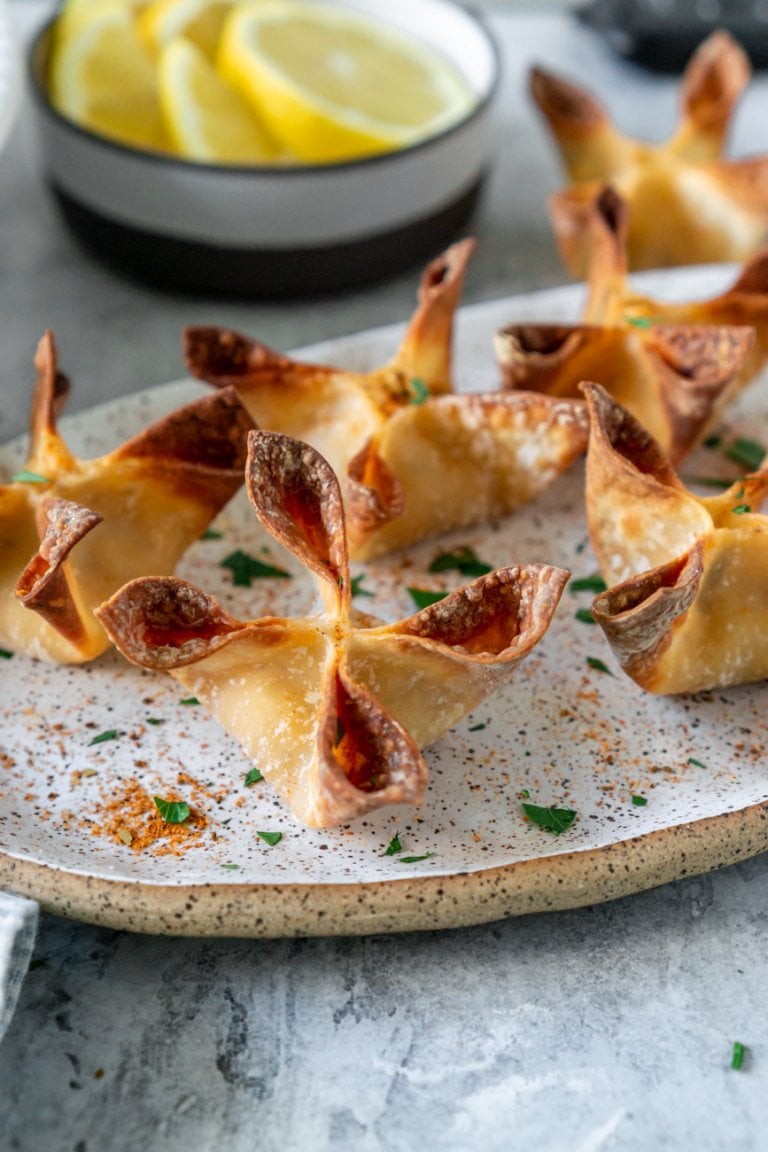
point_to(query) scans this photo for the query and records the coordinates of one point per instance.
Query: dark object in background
(661, 35)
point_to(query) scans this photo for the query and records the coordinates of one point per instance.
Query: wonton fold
(333, 707)
(675, 367)
(687, 604)
(72, 531)
(689, 205)
(413, 461)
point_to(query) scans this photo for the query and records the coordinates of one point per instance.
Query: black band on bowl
(193, 266)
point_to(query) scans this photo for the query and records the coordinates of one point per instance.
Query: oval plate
(562, 734)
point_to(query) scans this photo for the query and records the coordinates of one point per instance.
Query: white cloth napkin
(18, 924)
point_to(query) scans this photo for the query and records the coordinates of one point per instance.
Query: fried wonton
(333, 707)
(689, 204)
(414, 461)
(675, 367)
(72, 531)
(687, 604)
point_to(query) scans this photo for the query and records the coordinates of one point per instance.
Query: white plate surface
(562, 732)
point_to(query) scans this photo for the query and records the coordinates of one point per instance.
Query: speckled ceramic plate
(563, 733)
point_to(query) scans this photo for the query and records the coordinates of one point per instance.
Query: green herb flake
(356, 586)
(713, 441)
(154, 720)
(27, 477)
(696, 763)
(254, 776)
(231, 867)
(738, 1054)
(740, 509)
(189, 701)
(418, 391)
(464, 560)
(594, 584)
(747, 453)
(5, 654)
(478, 727)
(423, 598)
(525, 794)
(639, 801)
(212, 534)
(394, 846)
(110, 734)
(554, 820)
(639, 321)
(245, 568)
(598, 665)
(172, 811)
(270, 838)
(415, 859)
(584, 615)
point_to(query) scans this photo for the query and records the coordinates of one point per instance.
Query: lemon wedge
(206, 118)
(331, 84)
(101, 76)
(200, 21)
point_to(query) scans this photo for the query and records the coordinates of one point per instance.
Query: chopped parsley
(584, 615)
(231, 867)
(640, 801)
(5, 654)
(394, 846)
(695, 762)
(748, 453)
(418, 391)
(478, 727)
(110, 734)
(423, 598)
(154, 720)
(356, 586)
(189, 701)
(245, 568)
(254, 776)
(525, 794)
(554, 820)
(270, 838)
(713, 441)
(737, 1057)
(587, 584)
(464, 560)
(414, 859)
(598, 665)
(27, 477)
(212, 534)
(639, 321)
(172, 811)
(740, 509)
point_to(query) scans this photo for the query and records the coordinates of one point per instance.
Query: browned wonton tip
(688, 203)
(333, 707)
(43, 586)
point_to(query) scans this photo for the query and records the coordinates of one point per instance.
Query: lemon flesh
(330, 85)
(207, 120)
(199, 21)
(102, 77)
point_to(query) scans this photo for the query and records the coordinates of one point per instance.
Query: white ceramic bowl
(278, 231)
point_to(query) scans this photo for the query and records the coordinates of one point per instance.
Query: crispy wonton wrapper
(334, 707)
(72, 531)
(414, 461)
(687, 604)
(675, 367)
(689, 205)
